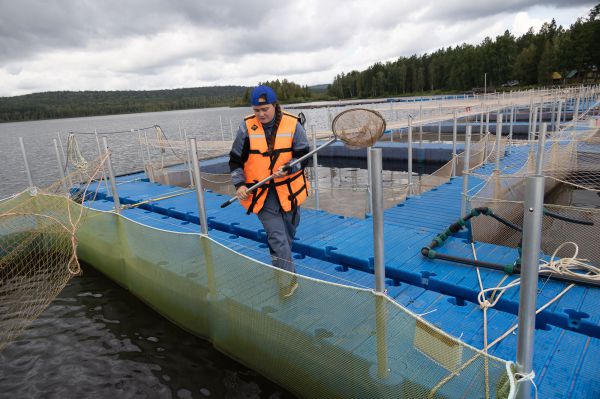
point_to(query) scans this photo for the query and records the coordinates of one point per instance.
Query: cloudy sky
(48, 45)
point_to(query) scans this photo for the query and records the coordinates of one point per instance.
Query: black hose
(439, 240)
(509, 269)
(567, 219)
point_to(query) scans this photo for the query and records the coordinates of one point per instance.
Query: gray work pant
(280, 231)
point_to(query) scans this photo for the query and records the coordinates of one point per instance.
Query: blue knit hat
(265, 91)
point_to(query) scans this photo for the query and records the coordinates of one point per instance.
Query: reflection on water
(98, 341)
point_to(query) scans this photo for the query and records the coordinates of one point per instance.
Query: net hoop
(358, 127)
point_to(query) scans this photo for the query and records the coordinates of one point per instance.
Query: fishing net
(358, 127)
(572, 184)
(38, 246)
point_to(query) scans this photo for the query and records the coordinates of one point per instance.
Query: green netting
(326, 340)
(37, 257)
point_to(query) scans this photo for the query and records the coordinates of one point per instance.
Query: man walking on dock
(266, 142)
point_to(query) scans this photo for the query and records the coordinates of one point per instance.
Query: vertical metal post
(198, 184)
(369, 183)
(111, 176)
(62, 150)
(61, 171)
(558, 115)
(454, 127)
(315, 167)
(465, 173)
(487, 122)
(188, 157)
(421, 122)
(141, 148)
(532, 237)
(553, 115)
(98, 142)
(541, 114)
(481, 123)
(150, 167)
(576, 110)
(498, 139)
(375, 167)
(541, 148)
(410, 156)
(510, 129)
(27, 170)
(533, 125)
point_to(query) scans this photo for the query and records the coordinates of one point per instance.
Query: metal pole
(410, 156)
(541, 148)
(498, 139)
(510, 129)
(315, 167)
(375, 167)
(541, 113)
(60, 166)
(576, 110)
(421, 123)
(377, 198)
(189, 160)
(198, 184)
(465, 174)
(62, 150)
(29, 179)
(111, 176)
(454, 127)
(558, 115)
(150, 166)
(553, 115)
(484, 84)
(533, 124)
(369, 183)
(532, 232)
(481, 123)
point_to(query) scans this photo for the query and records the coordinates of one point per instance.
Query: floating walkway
(339, 249)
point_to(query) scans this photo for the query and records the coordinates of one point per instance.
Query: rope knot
(485, 304)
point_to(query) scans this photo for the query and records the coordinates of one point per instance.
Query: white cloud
(153, 44)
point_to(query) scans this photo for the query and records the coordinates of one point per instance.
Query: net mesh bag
(359, 127)
(38, 246)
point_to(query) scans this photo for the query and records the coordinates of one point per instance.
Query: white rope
(527, 377)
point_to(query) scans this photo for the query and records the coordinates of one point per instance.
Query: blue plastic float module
(348, 242)
(346, 245)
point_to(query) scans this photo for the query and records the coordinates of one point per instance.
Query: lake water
(203, 124)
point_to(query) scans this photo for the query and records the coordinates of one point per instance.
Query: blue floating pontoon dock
(339, 249)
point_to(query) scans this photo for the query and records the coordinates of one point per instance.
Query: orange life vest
(292, 190)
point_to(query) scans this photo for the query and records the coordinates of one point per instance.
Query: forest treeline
(67, 104)
(530, 59)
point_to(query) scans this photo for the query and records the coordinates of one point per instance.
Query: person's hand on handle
(282, 171)
(241, 193)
